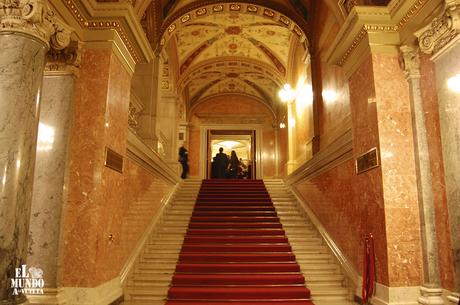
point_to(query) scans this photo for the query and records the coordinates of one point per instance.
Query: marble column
(50, 179)
(431, 291)
(25, 32)
(291, 164)
(440, 38)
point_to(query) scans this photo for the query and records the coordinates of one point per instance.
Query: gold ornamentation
(218, 8)
(201, 11)
(93, 25)
(171, 28)
(285, 20)
(269, 13)
(235, 7)
(35, 18)
(252, 9)
(441, 31)
(185, 18)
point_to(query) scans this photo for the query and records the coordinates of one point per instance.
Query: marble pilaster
(431, 292)
(50, 180)
(440, 38)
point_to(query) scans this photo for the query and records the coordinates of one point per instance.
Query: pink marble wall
(335, 109)
(402, 217)
(382, 201)
(431, 109)
(99, 197)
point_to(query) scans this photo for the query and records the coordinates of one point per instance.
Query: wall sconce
(454, 83)
(282, 123)
(287, 94)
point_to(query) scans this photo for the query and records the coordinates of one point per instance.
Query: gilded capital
(34, 17)
(410, 61)
(442, 30)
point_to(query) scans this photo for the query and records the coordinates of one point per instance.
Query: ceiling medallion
(252, 9)
(285, 20)
(269, 13)
(235, 7)
(218, 8)
(201, 12)
(185, 18)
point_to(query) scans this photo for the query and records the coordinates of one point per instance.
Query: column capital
(65, 61)
(34, 18)
(442, 30)
(410, 61)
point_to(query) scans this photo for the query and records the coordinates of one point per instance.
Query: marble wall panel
(430, 106)
(398, 172)
(94, 245)
(50, 176)
(194, 146)
(447, 66)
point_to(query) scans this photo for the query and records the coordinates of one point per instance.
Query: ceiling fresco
(232, 76)
(227, 48)
(233, 34)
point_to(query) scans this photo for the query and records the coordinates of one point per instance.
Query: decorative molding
(50, 296)
(268, 9)
(135, 109)
(119, 17)
(149, 159)
(410, 61)
(34, 18)
(336, 153)
(375, 29)
(127, 268)
(443, 30)
(65, 61)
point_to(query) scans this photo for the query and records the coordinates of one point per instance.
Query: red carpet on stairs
(236, 251)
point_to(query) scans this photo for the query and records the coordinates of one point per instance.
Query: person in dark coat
(183, 159)
(220, 164)
(233, 165)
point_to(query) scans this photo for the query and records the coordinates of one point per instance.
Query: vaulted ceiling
(231, 48)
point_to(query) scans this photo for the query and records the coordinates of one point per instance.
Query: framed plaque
(113, 160)
(367, 161)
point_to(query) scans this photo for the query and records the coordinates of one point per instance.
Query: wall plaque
(113, 160)
(367, 161)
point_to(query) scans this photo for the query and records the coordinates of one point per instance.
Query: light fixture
(287, 94)
(282, 125)
(454, 83)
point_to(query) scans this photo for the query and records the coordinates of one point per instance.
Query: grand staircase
(242, 246)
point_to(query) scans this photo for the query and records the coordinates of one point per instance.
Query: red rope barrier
(368, 269)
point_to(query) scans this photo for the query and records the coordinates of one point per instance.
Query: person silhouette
(220, 163)
(183, 159)
(233, 165)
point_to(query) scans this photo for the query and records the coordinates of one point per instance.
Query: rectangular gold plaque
(367, 161)
(113, 160)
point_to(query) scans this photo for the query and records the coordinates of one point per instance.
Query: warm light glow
(282, 125)
(287, 94)
(454, 83)
(106, 124)
(329, 96)
(291, 122)
(45, 137)
(4, 177)
(304, 97)
(229, 144)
